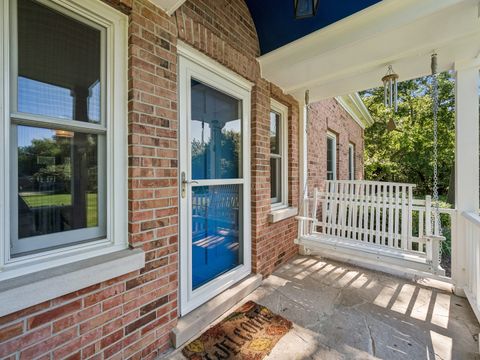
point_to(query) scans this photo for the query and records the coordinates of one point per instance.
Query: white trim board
(186, 51)
(353, 54)
(169, 6)
(355, 107)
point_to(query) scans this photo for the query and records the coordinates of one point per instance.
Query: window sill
(282, 214)
(28, 290)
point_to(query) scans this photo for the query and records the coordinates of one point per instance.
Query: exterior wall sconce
(305, 8)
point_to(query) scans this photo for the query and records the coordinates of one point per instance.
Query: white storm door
(215, 245)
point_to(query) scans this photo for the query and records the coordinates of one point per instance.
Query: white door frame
(192, 63)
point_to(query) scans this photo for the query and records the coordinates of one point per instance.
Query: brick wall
(272, 244)
(132, 316)
(328, 115)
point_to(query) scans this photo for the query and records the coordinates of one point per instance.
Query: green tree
(406, 153)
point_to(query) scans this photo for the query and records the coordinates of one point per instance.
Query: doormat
(249, 333)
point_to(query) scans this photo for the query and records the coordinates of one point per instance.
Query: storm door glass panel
(216, 231)
(216, 136)
(59, 65)
(216, 148)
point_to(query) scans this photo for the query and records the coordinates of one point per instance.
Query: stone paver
(341, 311)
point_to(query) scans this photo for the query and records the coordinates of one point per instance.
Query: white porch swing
(372, 223)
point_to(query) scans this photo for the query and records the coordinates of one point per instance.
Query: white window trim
(351, 167)
(116, 25)
(282, 110)
(331, 135)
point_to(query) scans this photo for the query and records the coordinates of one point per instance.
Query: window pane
(274, 133)
(275, 179)
(216, 133)
(216, 231)
(59, 62)
(330, 155)
(351, 162)
(57, 181)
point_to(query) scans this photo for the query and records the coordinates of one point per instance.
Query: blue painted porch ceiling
(276, 24)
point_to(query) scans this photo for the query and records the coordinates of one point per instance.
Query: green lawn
(34, 201)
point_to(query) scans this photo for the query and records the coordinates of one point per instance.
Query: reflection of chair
(25, 219)
(215, 230)
(42, 220)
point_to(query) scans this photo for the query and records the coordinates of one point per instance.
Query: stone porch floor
(341, 311)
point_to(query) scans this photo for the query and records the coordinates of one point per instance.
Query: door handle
(186, 182)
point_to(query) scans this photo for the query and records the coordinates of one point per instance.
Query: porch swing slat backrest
(376, 213)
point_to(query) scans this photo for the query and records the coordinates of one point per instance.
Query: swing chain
(303, 211)
(436, 223)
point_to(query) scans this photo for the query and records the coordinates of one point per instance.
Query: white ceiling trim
(353, 54)
(169, 6)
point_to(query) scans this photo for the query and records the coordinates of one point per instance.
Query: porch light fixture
(305, 8)
(390, 87)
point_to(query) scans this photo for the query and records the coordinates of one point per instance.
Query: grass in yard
(34, 201)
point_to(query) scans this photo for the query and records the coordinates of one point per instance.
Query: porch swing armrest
(435, 237)
(433, 246)
(304, 218)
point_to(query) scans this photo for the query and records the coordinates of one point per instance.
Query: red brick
(53, 314)
(100, 320)
(76, 318)
(69, 350)
(112, 350)
(11, 331)
(143, 342)
(48, 344)
(112, 338)
(103, 294)
(28, 311)
(88, 351)
(139, 323)
(28, 339)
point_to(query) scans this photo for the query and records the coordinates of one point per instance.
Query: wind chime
(390, 91)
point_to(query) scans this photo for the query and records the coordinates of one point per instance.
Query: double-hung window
(278, 155)
(351, 162)
(331, 156)
(65, 124)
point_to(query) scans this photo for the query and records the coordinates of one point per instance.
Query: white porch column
(467, 164)
(303, 160)
(303, 147)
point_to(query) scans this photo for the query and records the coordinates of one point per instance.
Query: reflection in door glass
(216, 231)
(215, 134)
